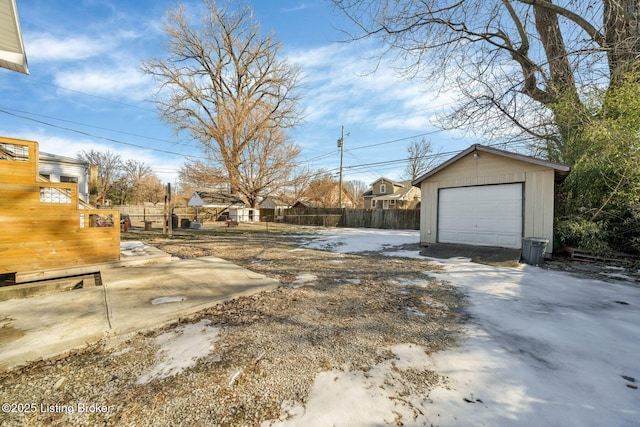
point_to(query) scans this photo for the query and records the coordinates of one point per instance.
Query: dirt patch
(7, 332)
(500, 257)
(333, 311)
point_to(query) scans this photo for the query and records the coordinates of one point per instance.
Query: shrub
(580, 233)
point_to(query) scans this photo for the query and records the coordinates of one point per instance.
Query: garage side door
(489, 215)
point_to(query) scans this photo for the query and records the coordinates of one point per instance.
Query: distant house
(388, 194)
(277, 204)
(56, 168)
(205, 199)
(327, 196)
(306, 204)
(225, 204)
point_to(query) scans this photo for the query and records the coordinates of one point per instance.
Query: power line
(116, 141)
(396, 140)
(31, 79)
(90, 126)
(429, 156)
(330, 153)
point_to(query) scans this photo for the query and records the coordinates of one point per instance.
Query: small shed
(277, 204)
(207, 199)
(489, 197)
(236, 209)
(244, 214)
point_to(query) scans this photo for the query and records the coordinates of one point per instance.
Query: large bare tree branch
(224, 83)
(548, 51)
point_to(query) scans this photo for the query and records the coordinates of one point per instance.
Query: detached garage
(489, 197)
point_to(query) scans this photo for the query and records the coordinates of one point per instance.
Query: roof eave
(14, 58)
(560, 170)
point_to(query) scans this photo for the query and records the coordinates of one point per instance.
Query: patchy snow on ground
(362, 239)
(167, 300)
(180, 349)
(133, 248)
(541, 348)
(357, 398)
(304, 279)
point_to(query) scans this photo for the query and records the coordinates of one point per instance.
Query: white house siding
(57, 167)
(490, 168)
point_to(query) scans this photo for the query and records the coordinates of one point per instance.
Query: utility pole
(341, 146)
(167, 225)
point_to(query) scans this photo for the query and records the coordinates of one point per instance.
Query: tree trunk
(622, 37)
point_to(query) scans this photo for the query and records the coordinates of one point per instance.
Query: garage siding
(487, 169)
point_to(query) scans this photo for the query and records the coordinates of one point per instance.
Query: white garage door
(489, 215)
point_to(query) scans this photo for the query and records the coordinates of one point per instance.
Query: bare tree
(323, 190)
(267, 164)
(136, 174)
(202, 175)
(224, 83)
(420, 158)
(151, 189)
(522, 66)
(298, 182)
(110, 170)
(357, 188)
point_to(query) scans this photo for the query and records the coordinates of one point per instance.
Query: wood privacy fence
(398, 219)
(319, 216)
(395, 219)
(155, 214)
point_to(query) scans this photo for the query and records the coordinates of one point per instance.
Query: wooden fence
(42, 226)
(396, 219)
(319, 217)
(138, 215)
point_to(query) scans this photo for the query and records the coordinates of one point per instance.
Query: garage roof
(12, 53)
(560, 169)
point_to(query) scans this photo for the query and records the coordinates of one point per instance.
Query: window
(55, 195)
(383, 188)
(100, 220)
(392, 202)
(18, 153)
(73, 179)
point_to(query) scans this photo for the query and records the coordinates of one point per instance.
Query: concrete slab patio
(130, 299)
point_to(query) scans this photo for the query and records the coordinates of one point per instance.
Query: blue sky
(85, 90)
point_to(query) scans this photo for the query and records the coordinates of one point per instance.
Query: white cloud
(49, 47)
(349, 81)
(46, 47)
(124, 79)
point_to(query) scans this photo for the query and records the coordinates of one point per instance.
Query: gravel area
(332, 312)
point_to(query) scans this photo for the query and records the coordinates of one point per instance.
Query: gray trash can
(533, 249)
